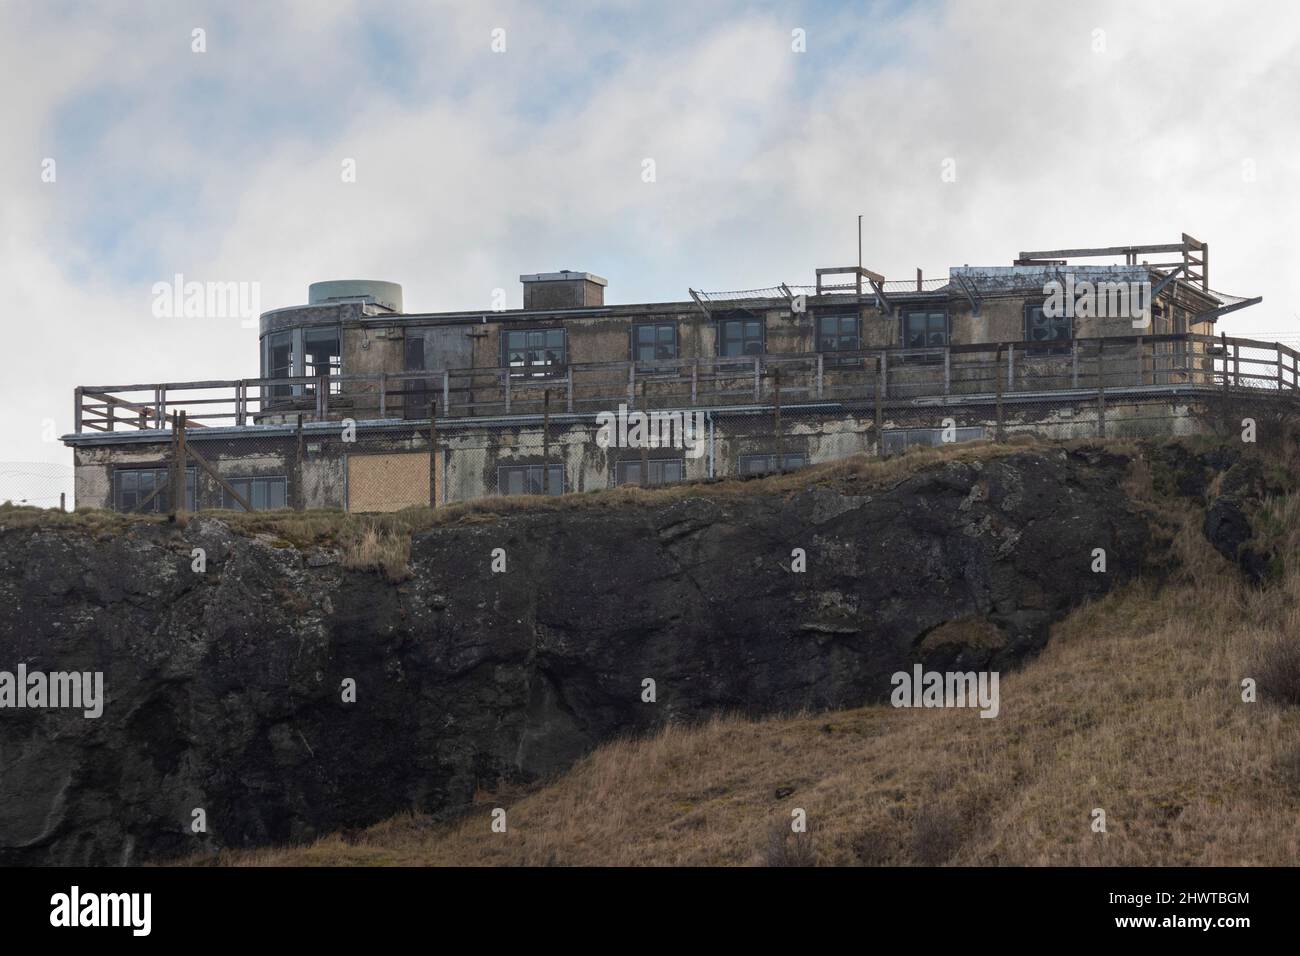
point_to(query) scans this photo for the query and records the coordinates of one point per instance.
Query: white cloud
(474, 167)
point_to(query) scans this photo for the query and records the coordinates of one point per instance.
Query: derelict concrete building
(363, 406)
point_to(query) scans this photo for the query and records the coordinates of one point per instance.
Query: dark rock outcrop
(1227, 520)
(224, 688)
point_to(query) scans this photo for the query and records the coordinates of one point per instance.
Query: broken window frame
(931, 330)
(1053, 346)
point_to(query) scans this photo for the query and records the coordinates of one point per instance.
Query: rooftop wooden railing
(1000, 370)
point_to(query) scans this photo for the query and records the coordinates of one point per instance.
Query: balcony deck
(958, 373)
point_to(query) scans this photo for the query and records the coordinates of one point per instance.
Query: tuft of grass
(936, 834)
(1278, 671)
(787, 848)
(375, 548)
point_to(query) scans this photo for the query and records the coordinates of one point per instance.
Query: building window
(661, 471)
(1045, 334)
(133, 486)
(527, 479)
(838, 333)
(766, 464)
(323, 356)
(925, 330)
(654, 342)
(900, 439)
(740, 337)
(534, 353)
(280, 361)
(264, 494)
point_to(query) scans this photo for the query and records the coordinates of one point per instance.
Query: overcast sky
(1067, 124)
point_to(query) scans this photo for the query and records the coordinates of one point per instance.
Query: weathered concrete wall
(474, 452)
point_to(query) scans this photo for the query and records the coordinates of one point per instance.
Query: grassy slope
(1134, 707)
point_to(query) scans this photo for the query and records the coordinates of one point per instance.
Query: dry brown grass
(1134, 707)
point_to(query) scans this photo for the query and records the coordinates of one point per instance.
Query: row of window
(134, 488)
(146, 490)
(134, 491)
(541, 353)
(528, 479)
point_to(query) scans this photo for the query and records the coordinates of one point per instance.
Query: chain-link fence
(392, 464)
(36, 484)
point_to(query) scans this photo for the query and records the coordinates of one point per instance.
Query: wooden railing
(954, 373)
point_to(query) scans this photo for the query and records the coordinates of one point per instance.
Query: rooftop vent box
(563, 290)
(386, 295)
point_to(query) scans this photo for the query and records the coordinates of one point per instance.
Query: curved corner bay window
(534, 353)
(323, 356)
(299, 352)
(280, 361)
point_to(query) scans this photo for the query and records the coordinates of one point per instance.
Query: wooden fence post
(177, 503)
(776, 419)
(546, 441)
(880, 406)
(645, 453)
(300, 493)
(997, 379)
(1223, 344)
(433, 454)
(1101, 389)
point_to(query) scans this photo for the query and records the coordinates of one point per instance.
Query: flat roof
(564, 275)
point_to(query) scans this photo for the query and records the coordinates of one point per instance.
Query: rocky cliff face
(224, 689)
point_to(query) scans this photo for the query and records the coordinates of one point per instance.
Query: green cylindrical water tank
(385, 294)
